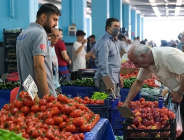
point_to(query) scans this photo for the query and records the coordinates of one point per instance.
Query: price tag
(30, 86)
(157, 83)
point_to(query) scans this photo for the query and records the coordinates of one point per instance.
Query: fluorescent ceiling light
(177, 11)
(178, 2)
(155, 9)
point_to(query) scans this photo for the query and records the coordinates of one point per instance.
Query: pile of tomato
(51, 119)
(88, 101)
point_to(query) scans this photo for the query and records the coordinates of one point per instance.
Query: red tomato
(50, 121)
(43, 108)
(62, 99)
(49, 135)
(50, 98)
(86, 116)
(78, 121)
(25, 110)
(55, 111)
(58, 120)
(56, 104)
(42, 102)
(62, 125)
(19, 119)
(28, 102)
(23, 94)
(67, 109)
(85, 128)
(6, 107)
(35, 108)
(14, 110)
(39, 138)
(81, 136)
(35, 134)
(76, 113)
(65, 117)
(18, 103)
(49, 105)
(86, 98)
(47, 114)
(71, 128)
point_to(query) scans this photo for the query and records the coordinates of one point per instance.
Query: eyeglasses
(55, 36)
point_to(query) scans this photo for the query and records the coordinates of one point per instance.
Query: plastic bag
(124, 58)
(179, 128)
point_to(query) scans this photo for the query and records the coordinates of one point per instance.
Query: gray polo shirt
(33, 41)
(107, 58)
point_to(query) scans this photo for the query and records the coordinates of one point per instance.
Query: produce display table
(88, 91)
(4, 97)
(101, 131)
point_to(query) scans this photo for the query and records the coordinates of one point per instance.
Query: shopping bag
(179, 127)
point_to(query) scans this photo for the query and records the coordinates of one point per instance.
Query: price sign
(30, 86)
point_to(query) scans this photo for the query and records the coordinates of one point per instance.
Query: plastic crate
(103, 111)
(118, 132)
(116, 119)
(151, 134)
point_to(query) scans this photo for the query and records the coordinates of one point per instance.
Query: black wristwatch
(180, 93)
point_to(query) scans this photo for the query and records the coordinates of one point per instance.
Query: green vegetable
(7, 135)
(99, 96)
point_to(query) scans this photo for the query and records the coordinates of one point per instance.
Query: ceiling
(147, 8)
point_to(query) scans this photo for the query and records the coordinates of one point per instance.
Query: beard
(47, 27)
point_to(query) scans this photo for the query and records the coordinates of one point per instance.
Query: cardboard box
(125, 71)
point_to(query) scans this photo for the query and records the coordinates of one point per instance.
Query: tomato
(62, 99)
(42, 102)
(47, 114)
(49, 105)
(91, 101)
(67, 109)
(19, 119)
(40, 115)
(78, 121)
(25, 135)
(6, 107)
(18, 103)
(49, 135)
(65, 117)
(86, 98)
(28, 102)
(45, 138)
(86, 116)
(62, 125)
(50, 121)
(70, 138)
(23, 94)
(56, 104)
(35, 134)
(10, 118)
(71, 128)
(58, 120)
(97, 102)
(83, 107)
(45, 126)
(39, 138)
(43, 108)
(25, 110)
(85, 128)
(81, 136)
(76, 113)
(50, 98)
(14, 110)
(35, 108)
(55, 111)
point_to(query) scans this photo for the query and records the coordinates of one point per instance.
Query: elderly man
(166, 63)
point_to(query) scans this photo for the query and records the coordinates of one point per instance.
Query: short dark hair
(60, 29)
(80, 32)
(48, 9)
(109, 22)
(121, 36)
(92, 36)
(138, 37)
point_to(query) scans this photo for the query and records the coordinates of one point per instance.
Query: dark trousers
(74, 75)
(182, 114)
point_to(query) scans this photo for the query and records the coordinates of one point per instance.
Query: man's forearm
(137, 85)
(80, 49)
(41, 78)
(67, 59)
(181, 89)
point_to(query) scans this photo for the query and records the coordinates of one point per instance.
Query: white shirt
(169, 67)
(79, 60)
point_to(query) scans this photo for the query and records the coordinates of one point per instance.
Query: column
(133, 24)
(116, 9)
(73, 12)
(142, 28)
(127, 18)
(139, 25)
(17, 13)
(100, 13)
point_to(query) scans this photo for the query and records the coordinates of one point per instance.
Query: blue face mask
(49, 43)
(115, 32)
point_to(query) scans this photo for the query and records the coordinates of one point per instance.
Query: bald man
(166, 63)
(54, 59)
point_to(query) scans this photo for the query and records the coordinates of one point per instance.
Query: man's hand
(176, 98)
(125, 104)
(85, 40)
(121, 82)
(70, 62)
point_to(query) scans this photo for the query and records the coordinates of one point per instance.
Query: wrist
(180, 93)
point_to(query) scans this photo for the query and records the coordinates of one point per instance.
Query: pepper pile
(9, 85)
(88, 82)
(7, 135)
(128, 82)
(99, 96)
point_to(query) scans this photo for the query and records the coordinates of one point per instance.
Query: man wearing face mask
(107, 57)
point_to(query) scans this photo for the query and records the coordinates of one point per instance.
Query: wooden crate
(125, 71)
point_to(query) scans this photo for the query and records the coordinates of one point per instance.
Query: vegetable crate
(102, 110)
(118, 132)
(166, 133)
(116, 119)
